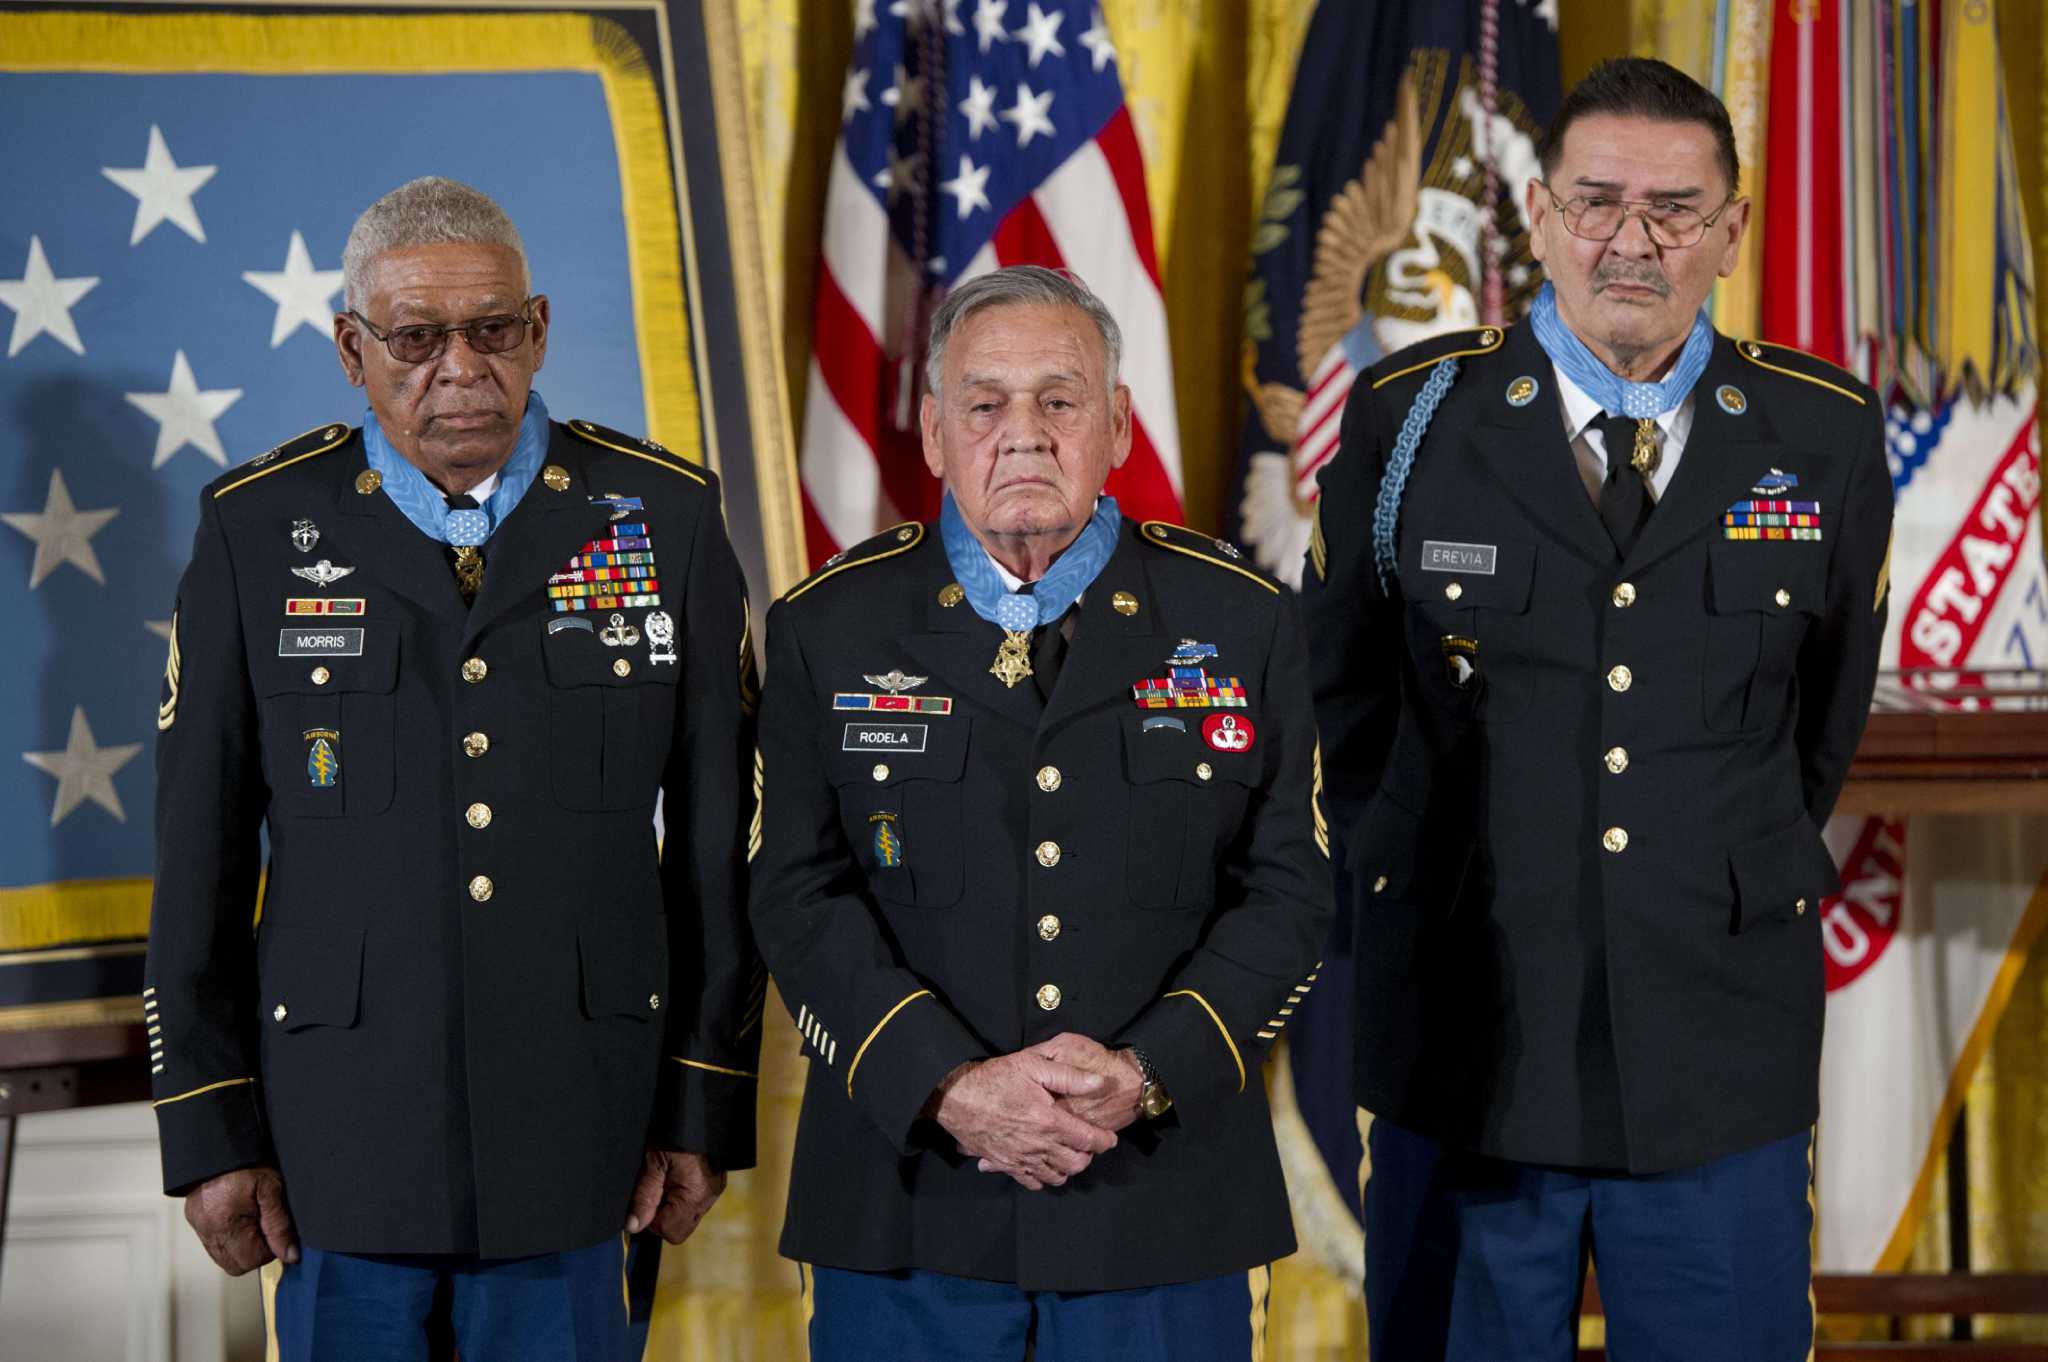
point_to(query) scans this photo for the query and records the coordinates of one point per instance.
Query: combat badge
(322, 574)
(1228, 733)
(888, 841)
(661, 637)
(620, 507)
(323, 757)
(305, 534)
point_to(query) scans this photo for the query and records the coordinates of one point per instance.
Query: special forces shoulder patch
(620, 443)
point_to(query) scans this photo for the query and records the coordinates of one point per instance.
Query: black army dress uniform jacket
(1065, 865)
(1580, 797)
(476, 991)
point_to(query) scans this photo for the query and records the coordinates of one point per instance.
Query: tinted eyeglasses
(486, 335)
(1600, 217)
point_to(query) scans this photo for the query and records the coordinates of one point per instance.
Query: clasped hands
(1042, 1114)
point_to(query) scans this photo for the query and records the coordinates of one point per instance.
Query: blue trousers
(914, 1316)
(1473, 1259)
(555, 1307)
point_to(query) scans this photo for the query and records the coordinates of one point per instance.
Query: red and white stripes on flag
(922, 201)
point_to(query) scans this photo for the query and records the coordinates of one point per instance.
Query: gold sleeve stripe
(1156, 531)
(712, 1068)
(1757, 359)
(1315, 803)
(1884, 580)
(674, 465)
(887, 1017)
(167, 712)
(908, 536)
(1223, 1030)
(336, 436)
(210, 1087)
(1318, 549)
(754, 828)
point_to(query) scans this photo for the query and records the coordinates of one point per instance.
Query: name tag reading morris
(1475, 559)
(319, 643)
(884, 738)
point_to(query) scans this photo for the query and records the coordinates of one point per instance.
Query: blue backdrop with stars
(127, 427)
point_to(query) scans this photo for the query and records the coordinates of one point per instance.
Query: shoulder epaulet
(1215, 552)
(890, 542)
(1426, 354)
(1784, 359)
(619, 442)
(316, 441)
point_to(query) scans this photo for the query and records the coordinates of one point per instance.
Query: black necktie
(1048, 650)
(1625, 504)
(467, 558)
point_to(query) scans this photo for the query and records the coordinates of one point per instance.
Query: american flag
(971, 141)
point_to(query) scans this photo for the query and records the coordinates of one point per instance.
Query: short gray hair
(1019, 284)
(425, 212)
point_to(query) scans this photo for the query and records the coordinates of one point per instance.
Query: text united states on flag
(971, 141)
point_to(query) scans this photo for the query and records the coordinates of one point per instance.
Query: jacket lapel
(1110, 651)
(370, 533)
(545, 529)
(1725, 453)
(1531, 460)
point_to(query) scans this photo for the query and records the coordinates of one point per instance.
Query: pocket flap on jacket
(311, 976)
(1777, 875)
(1773, 578)
(357, 655)
(1488, 575)
(1394, 857)
(900, 746)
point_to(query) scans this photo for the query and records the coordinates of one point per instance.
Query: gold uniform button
(475, 744)
(1379, 886)
(1783, 598)
(1620, 679)
(1048, 854)
(1454, 590)
(1624, 596)
(1617, 759)
(478, 815)
(620, 666)
(654, 1002)
(556, 477)
(1124, 603)
(368, 481)
(475, 670)
(951, 594)
(280, 1012)
(1048, 778)
(1615, 840)
(1204, 771)
(321, 676)
(881, 771)
(1048, 996)
(481, 888)
(1048, 927)
(1799, 907)
(904, 535)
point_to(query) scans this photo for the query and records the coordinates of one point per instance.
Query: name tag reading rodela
(884, 738)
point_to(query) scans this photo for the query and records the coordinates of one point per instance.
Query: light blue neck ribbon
(1644, 401)
(425, 505)
(1022, 611)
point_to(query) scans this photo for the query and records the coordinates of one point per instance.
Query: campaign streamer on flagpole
(971, 141)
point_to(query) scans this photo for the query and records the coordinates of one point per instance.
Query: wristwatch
(1153, 1098)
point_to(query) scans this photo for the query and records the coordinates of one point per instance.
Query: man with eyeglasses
(1594, 605)
(482, 1031)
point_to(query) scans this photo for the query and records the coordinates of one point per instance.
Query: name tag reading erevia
(1474, 559)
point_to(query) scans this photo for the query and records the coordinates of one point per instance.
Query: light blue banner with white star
(170, 263)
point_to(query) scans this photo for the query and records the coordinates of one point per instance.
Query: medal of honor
(1013, 657)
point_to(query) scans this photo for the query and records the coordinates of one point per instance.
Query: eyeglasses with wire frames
(1600, 217)
(419, 343)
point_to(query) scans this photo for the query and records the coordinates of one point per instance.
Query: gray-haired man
(452, 657)
(1042, 879)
